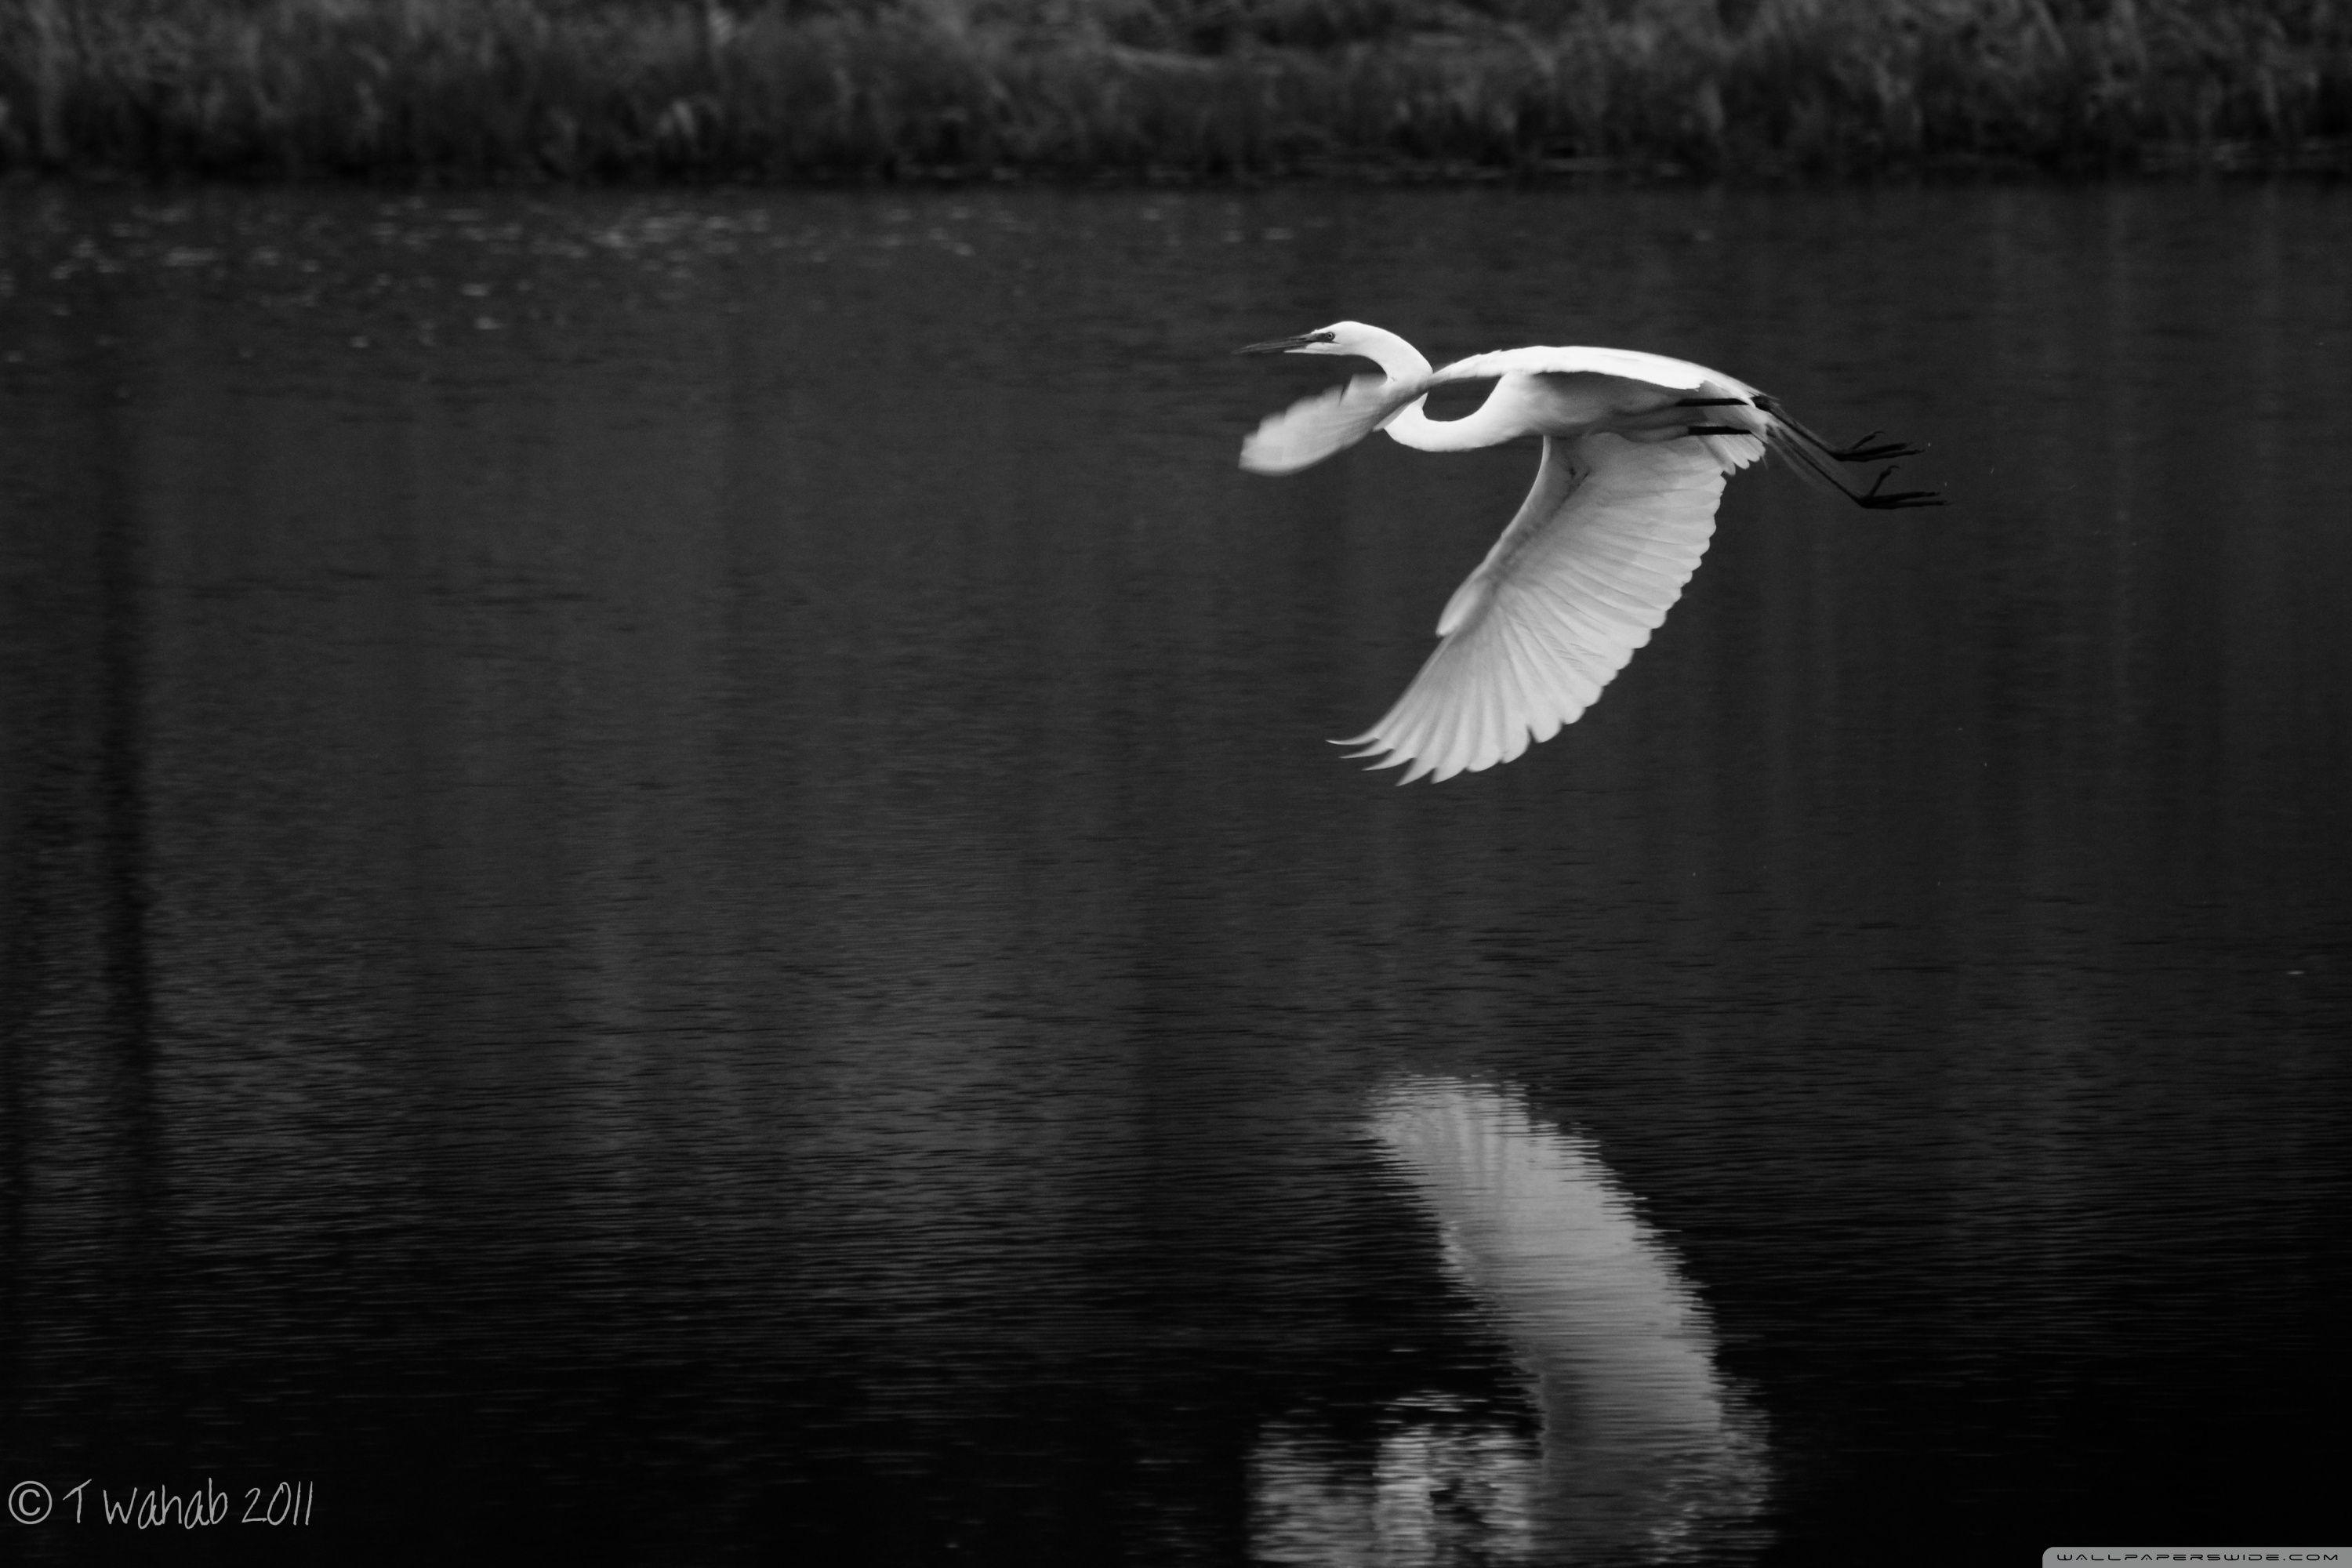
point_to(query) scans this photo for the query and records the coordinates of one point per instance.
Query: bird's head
(1397, 358)
(1338, 338)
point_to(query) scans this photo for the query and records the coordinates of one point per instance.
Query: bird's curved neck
(1400, 361)
(1495, 420)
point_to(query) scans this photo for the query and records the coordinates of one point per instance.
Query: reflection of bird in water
(1647, 1449)
(1635, 451)
(1647, 1453)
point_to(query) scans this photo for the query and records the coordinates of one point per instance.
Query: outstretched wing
(1598, 554)
(1628, 365)
(1312, 428)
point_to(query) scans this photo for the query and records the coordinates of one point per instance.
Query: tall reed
(581, 90)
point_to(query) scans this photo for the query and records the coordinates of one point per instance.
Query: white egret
(1636, 448)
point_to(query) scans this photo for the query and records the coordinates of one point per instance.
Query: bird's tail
(1311, 430)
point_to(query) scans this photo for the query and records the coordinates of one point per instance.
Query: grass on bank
(740, 89)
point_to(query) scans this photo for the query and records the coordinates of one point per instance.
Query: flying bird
(1636, 447)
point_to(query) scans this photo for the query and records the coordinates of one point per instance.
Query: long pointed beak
(1285, 345)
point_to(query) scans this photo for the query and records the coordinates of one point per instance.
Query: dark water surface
(671, 887)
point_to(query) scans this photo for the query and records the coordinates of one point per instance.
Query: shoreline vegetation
(781, 91)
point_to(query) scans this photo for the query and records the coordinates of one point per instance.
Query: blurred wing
(1312, 428)
(1598, 554)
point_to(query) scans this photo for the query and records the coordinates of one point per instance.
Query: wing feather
(1597, 555)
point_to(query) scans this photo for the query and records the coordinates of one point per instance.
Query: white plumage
(1586, 571)
(1636, 448)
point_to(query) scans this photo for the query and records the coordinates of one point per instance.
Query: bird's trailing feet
(1861, 452)
(1877, 500)
(1817, 459)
